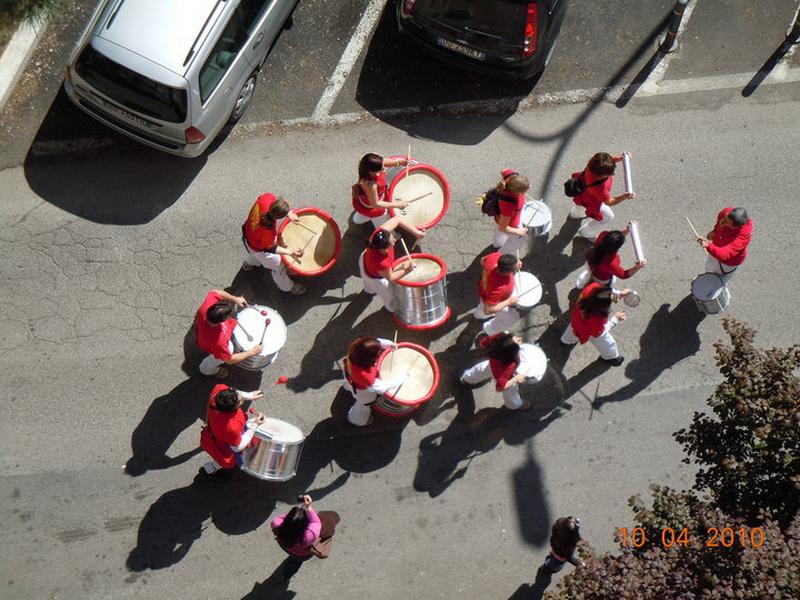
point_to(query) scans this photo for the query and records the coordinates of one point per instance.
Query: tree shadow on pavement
(114, 187)
(419, 85)
(670, 337)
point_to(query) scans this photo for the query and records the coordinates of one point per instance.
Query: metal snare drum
(537, 217)
(710, 293)
(421, 295)
(275, 451)
(272, 337)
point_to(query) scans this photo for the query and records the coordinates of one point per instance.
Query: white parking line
(349, 57)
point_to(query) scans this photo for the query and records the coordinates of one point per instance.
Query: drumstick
(306, 228)
(408, 160)
(536, 211)
(516, 274)
(411, 368)
(402, 241)
(697, 235)
(529, 290)
(419, 197)
(264, 333)
(394, 347)
(240, 326)
(297, 258)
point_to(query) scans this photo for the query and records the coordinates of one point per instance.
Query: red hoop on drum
(445, 192)
(418, 308)
(392, 406)
(324, 245)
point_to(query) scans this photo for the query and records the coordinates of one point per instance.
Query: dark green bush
(28, 10)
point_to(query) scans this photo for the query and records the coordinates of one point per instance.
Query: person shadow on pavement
(670, 337)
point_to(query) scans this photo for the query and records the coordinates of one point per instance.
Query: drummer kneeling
(361, 377)
(228, 432)
(591, 322)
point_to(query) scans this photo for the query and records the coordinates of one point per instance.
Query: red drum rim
(312, 210)
(432, 257)
(445, 185)
(433, 325)
(431, 361)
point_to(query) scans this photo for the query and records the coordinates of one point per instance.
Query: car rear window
(499, 18)
(131, 89)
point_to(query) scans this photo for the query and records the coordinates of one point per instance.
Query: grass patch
(14, 12)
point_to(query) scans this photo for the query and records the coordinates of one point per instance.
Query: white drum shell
(272, 459)
(523, 282)
(710, 293)
(421, 306)
(536, 216)
(253, 322)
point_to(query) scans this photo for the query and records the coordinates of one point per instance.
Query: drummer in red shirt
(603, 262)
(375, 263)
(510, 236)
(496, 291)
(503, 349)
(361, 377)
(213, 327)
(591, 322)
(595, 200)
(369, 193)
(262, 245)
(727, 243)
(228, 431)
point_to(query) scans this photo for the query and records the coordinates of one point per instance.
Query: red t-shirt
(213, 339)
(592, 198)
(587, 327)
(610, 266)
(729, 244)
(376, 261)
(362, 377)
(511, 205)
(222, 431)
(361, 202)
(502, 372)
(258, 236)
(494, 286)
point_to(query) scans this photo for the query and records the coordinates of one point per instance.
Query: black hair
(217, 313)
(738, 216)
(369, 163)
(364, 351)
(504, 348)
(565, 535)
(608, 246)
(291, 531)
(226, 400)
(380, 240)
(598, 303)
(507, 264)
(602, 164)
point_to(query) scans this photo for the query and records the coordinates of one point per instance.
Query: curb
(16, 55)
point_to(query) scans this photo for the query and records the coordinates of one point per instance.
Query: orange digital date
(748, 537)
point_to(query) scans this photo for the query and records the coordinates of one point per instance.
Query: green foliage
(749, 451)
(28, 10)
(749, 454)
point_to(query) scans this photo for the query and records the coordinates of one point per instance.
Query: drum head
(279, 431)
(535, 213)
(707, 286)
(253, 322)
(422, 369)
(427, 269)
(527, 283)
(427, 191)
(320, 248)
(533, 361)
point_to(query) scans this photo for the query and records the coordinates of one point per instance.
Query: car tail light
(194, 135)
(408, 7)
(531, 27)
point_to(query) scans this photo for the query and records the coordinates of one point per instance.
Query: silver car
(172, 73)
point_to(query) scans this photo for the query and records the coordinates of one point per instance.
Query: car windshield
(131, 89)
(500, 18)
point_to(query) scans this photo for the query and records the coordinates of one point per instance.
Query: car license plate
(124, 113)
(476, 54)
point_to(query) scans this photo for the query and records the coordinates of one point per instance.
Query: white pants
(481, 372)
(590, 228)
(270, 261)
(721, 269)
(360, 219)
(211, 364)
(604, 343)
(508, 243)
(360, 412)
(500, 321)
(586, 276)
(381, 286)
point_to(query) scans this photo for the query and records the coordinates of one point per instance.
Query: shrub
(28, 10)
